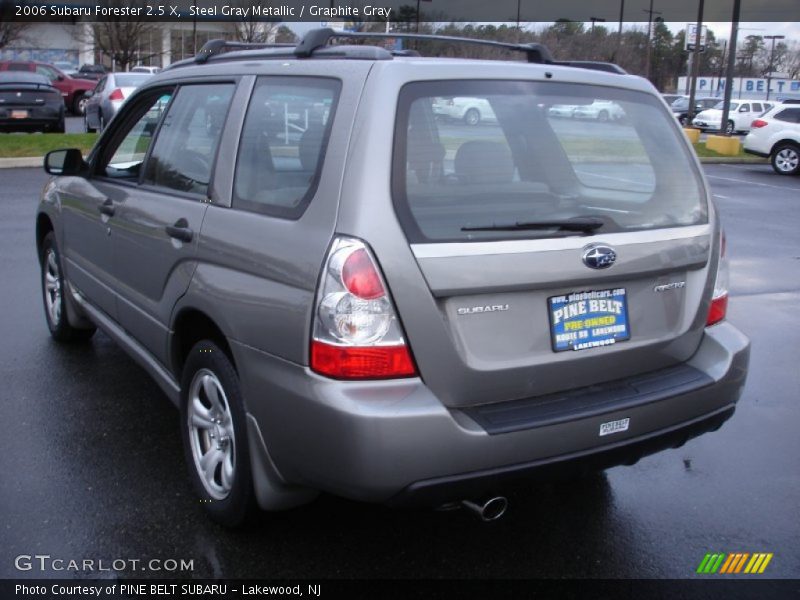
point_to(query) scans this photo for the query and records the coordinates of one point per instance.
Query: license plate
(19, 114)
(582, 320)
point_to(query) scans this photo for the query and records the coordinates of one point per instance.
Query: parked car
(66, 67)
(670, 98)
(72, 90)
(28, 102)
(776, 134)
(146, 69)
(600, 110)
(740, 115)
(93, 72)
(562, 110)
(680, 108)
(467, 109)
(106, 98)
(388, 306)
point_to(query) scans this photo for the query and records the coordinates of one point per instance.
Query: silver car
(342, 293)
(108, 95)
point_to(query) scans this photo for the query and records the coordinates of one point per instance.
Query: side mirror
(65, 162)
(88, 93)
(743, 109)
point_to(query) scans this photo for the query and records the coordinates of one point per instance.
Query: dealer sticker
(614, 427)
(582, 320)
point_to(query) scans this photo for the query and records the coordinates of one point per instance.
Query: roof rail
(319, 38)
(214, 47)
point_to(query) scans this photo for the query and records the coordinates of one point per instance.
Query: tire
(53, 296)
(213, 424)
(731, 128)
(785, 159)
(684, 120)
(602, 116)
(86, 127)
(472, 117)
(79, 104)
(101, 121)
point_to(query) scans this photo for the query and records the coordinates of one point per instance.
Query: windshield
(510, 153)
(721, 105)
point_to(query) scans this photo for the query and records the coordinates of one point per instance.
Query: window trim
(280, 212)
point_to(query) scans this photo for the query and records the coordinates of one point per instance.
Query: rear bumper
(756, 152)
(394, 442)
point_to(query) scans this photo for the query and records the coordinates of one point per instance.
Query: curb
(732, 160)
(21, 162)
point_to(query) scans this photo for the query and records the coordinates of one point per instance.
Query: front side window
(283, 143)
(128, 149)
(537, 155)
(186, 147)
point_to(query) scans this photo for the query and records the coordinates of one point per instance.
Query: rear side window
(536, 153)
(283, 143)
(789, 115)
(187, 141)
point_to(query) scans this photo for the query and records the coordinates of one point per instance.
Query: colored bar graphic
(734, 562)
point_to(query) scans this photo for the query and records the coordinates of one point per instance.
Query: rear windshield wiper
(585, 225)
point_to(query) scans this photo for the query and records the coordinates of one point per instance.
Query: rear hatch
(558, 252)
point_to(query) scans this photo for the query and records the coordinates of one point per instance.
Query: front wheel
(214, 434)
(54, 292)
(602, 116)
(785, 159)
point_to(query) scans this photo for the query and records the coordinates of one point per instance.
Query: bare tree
(124, 42)
(10, 30)
(252, 29)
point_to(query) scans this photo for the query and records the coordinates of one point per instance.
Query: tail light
(719, 301)
(116, 95)
(758, 123)
(356, 332)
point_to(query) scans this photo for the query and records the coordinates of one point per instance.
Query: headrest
(479, 161)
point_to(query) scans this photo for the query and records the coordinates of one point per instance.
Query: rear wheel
(472, 116)
(785, 159)
(602, 116)
(215, 434)
(79, 104)
(730, 128)
(54, 292)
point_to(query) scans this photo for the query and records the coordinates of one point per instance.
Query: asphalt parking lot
(92, 465)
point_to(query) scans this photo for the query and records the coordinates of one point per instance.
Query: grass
(14, 145)
(703, 152)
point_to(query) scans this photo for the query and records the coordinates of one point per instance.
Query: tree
(10, 30)
(122, 41)
(252, 29)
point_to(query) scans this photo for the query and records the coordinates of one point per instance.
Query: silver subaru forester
(344, 291)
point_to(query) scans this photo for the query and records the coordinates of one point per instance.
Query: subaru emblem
(599, 257)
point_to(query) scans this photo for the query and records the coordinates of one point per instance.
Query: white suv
(777, 135)
(740, 116)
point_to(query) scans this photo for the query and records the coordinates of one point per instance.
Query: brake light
(758, 123)
(719, 300)
(116, 95)
(356, 332)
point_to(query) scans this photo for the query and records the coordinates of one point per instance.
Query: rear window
(474, 160)
(131, 79)
(789, 115)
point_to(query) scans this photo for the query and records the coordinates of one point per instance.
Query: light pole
(771, 59)
(650, 14)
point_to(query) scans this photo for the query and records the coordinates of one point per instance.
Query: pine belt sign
(691, 36)
(745, 87)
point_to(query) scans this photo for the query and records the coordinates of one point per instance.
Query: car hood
(713, 114)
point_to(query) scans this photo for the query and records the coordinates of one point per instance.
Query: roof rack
(214, 47)
(318, 39)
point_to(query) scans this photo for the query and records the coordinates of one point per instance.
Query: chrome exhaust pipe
(491, 510)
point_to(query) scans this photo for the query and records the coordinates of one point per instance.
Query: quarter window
(789, 115)
(283, 143)
(188, 138)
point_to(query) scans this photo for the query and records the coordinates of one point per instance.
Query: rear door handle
(180, 231)
(107, 207)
